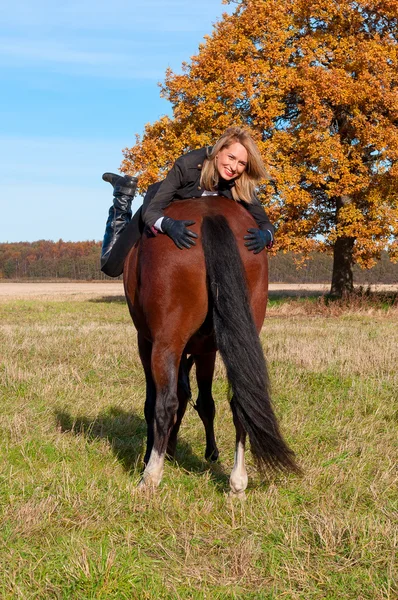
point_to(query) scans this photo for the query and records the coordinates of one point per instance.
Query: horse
(186, 305)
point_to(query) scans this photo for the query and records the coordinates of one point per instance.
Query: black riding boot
(119, 217)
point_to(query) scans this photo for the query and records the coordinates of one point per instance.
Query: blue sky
(79, 79)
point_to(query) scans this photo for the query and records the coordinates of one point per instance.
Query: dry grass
(73, 524)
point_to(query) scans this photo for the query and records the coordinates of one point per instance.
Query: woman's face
(231, 161)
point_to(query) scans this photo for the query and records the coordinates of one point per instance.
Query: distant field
(74, 526)
(80, 290)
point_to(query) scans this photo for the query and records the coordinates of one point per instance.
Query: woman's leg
(121, 236)
(126, 239)
(124, 188)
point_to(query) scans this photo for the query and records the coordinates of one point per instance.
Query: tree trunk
(342, 278)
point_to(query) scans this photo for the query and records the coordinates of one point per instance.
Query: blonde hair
(244, 188)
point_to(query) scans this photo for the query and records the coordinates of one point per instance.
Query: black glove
(258, 240)
(181, 236)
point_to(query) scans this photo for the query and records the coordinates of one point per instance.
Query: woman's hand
(178, 232)
(258, 240)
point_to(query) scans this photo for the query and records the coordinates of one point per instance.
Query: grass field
(74, 526)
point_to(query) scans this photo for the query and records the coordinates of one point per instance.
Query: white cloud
(68, 56)
(52, 51)
(111, 40)
(135, 16)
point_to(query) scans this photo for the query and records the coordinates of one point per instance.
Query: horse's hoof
(149, 481)
(212, 456)
(241, 495)
(147, 486)
(170, 453)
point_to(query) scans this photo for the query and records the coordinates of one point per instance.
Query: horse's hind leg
(238, 479)
(205, 403)
(145, 350)
(165, 364)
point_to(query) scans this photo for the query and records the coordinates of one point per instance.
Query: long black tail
(240, 348)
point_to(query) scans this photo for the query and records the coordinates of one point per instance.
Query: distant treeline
(318, 269)
(50, 260)
(80, 260)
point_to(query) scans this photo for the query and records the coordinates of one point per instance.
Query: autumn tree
(317, 85)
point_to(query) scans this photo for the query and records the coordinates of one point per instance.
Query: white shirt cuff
(158, 224)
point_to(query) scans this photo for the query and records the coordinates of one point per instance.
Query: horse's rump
(156, 259)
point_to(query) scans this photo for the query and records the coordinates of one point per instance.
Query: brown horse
(186, 304)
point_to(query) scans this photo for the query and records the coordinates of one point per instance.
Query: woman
(231, 168)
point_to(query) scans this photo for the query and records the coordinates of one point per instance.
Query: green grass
(72, 434)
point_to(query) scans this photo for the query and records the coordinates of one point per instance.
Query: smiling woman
(232, 161)
(231, 168)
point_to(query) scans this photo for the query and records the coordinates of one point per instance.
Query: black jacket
(183, 181)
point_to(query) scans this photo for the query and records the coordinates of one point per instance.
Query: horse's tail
(240, 347)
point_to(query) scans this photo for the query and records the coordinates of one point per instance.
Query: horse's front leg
(183, 394)
(145, 351)
(165, 364)
(205, 403)
(238, 479)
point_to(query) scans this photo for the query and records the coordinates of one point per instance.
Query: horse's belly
(200, 344)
